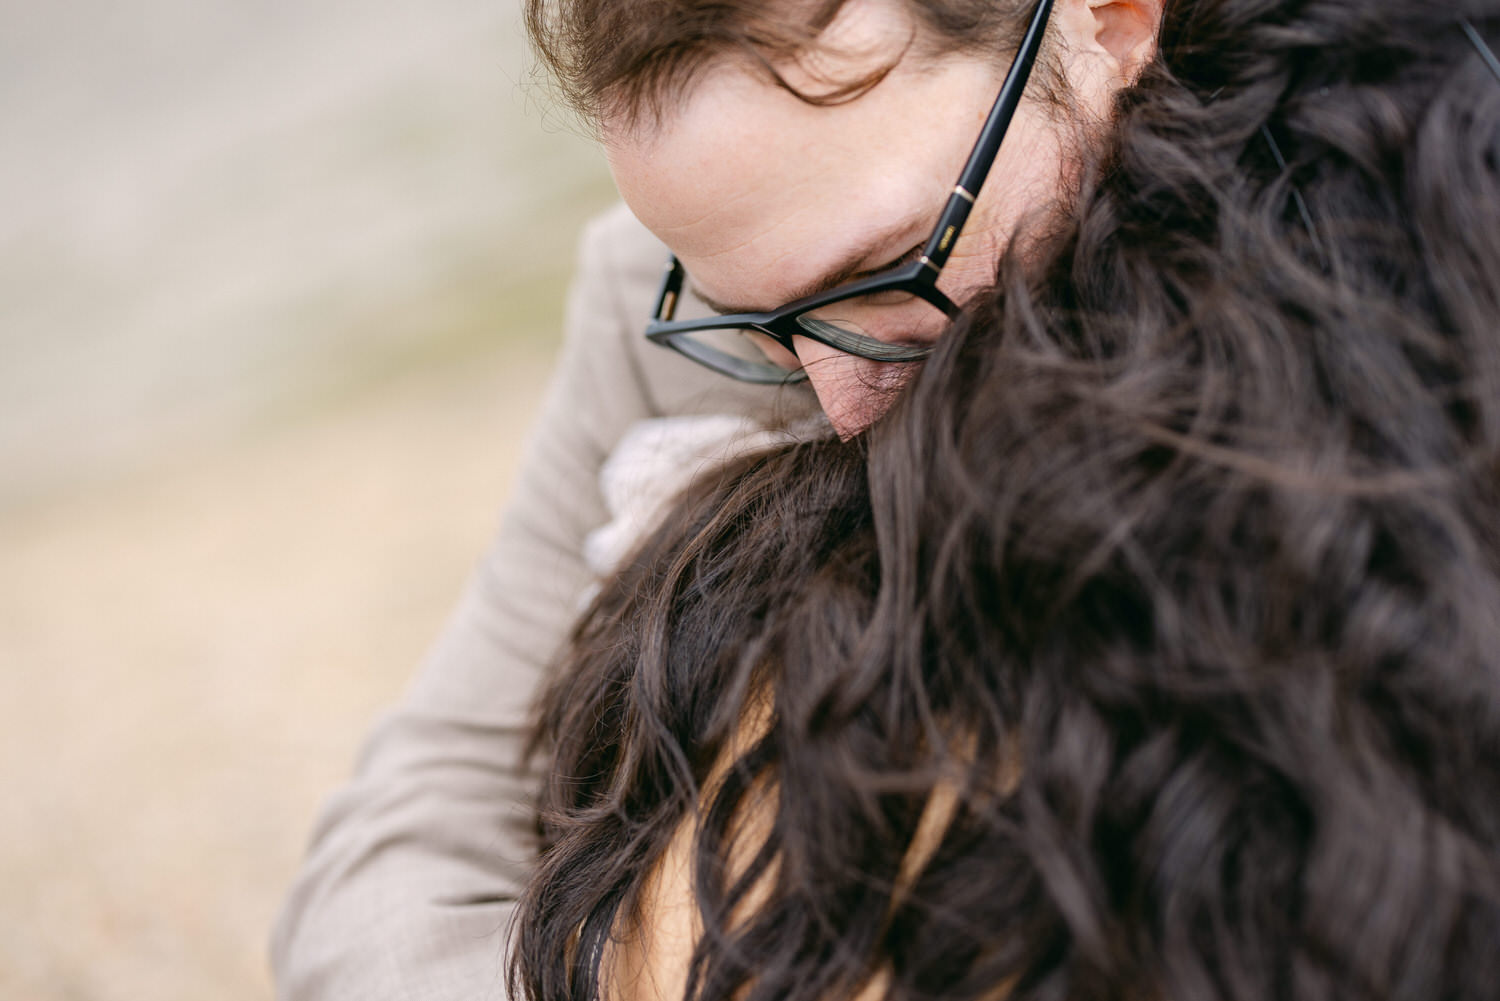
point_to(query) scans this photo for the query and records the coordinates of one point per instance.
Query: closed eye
(910, 257)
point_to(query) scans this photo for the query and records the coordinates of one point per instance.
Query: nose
(854, 392)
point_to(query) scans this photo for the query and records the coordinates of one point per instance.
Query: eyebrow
(847, 270)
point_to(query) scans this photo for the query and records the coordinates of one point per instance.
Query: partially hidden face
(765, 197)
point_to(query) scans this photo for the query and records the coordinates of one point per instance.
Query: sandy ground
(279, 283)
(190, 658)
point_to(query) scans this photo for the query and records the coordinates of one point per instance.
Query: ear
(1126, 30)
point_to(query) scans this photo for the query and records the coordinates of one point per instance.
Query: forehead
(758, 191)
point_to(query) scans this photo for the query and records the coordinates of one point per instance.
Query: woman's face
(764, 197)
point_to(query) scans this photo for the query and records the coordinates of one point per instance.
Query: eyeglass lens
(887, 326)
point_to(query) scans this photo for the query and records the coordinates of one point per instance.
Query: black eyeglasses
(890, 317)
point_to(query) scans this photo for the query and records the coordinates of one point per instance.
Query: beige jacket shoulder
(408, 884)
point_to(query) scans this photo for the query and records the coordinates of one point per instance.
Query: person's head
(1180, 560)
(782, 148)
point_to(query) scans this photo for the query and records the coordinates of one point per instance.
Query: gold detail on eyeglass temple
(669, 303)
(947, 237)
(958, 189)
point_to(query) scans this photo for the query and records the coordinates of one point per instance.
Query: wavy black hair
(1150, 647)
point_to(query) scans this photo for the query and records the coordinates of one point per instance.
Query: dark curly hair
(1150, 646)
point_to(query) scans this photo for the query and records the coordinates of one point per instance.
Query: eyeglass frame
(917, 278)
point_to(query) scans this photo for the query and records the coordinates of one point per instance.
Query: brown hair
(1197, 525)
(635, 57)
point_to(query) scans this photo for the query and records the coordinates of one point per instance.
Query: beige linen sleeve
(409, 882)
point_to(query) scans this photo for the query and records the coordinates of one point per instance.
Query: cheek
(854, 393)
(972, 270)
(1032, 182)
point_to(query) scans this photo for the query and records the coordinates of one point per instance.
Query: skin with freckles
(765, 197)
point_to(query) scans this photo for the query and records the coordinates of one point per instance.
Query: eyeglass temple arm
(961, 202)
(671, 289)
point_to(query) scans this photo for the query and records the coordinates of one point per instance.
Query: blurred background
(279, 287)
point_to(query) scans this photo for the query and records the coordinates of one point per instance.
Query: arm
(407, 887)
